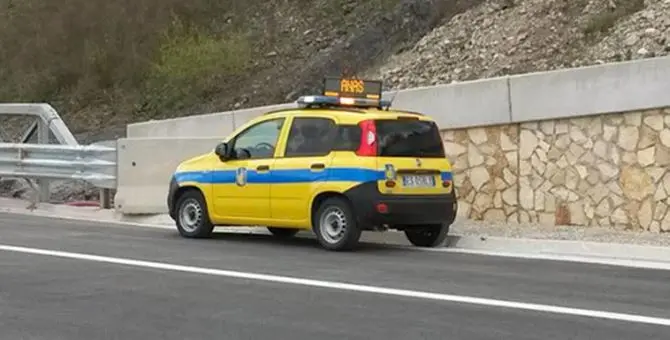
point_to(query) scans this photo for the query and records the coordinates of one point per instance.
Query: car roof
(347, 113)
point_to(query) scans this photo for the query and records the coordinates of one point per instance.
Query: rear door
(303, 167)
(411, 152)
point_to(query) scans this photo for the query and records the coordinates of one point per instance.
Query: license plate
(417, 181)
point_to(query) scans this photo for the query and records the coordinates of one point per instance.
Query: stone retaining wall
(607, 170)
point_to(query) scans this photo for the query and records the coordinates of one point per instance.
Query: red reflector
(390, 184)
(382, 208)
(368, 143)
(446, 183)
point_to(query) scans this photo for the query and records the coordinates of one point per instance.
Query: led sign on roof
(352, 87)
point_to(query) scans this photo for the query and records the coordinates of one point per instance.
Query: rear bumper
(401, 210)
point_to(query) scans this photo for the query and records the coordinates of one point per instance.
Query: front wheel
(427, 236)
(335, 225)
(192, 216)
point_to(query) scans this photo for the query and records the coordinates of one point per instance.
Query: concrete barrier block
(481, 102)
(244, 116)
(475, 103)
(219, 124)
(214, 124)
(145, 166)
(618, 87)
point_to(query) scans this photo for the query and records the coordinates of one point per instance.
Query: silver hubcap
(190, 216)
(333, 225)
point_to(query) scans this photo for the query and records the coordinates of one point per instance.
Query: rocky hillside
(501, 37)
(103, 64)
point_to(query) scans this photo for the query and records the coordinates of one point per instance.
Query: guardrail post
(30, 132)
(105, 198)
(43, 138)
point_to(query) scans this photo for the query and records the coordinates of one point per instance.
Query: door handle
(263, 168)
(316, 166)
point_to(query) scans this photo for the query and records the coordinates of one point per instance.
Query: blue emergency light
(341, 101)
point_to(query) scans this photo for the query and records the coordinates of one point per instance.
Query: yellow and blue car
(340, 163)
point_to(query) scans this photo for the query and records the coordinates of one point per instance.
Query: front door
(242, 184)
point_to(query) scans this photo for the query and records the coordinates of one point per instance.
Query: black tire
(428, 236)
(455, 207)
(283, 233)
(195, 222)
(340, 211)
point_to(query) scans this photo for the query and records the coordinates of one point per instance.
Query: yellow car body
(283, 189)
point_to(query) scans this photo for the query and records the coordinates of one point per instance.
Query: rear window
(409, 138)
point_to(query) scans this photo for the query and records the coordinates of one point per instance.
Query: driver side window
(258, 141)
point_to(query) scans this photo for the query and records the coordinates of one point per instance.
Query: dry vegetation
(115, 56)
(603, 21)
(105, 63)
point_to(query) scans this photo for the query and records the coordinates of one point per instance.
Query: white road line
(346, 286)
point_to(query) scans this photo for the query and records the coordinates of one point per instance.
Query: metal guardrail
(95, 164)
(42, 162)
(48, 120)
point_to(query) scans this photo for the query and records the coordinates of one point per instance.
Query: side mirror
(222, 151)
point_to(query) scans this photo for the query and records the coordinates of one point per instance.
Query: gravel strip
(546, 232)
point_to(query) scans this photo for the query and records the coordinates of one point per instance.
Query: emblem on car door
(241, 176)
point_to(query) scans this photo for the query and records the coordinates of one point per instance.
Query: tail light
(368, 144)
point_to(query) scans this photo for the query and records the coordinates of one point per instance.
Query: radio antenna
(392, 99)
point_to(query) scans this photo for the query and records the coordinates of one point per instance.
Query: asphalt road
(71, 296)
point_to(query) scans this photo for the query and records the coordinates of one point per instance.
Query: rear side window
(409, 138)
(311, 136)
(347, 139)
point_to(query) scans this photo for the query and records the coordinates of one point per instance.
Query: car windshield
(409, 138)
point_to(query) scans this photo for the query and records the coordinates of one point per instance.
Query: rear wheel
(192, 216)
(335, 225)
(427, 236)
(283, 232)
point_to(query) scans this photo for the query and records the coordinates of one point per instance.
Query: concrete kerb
(579, 251)
(615, 251)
